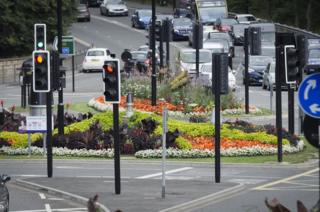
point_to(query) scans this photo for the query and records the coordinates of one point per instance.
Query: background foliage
(18, 17)
(300, 13)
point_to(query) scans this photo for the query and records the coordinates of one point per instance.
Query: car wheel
(264, 86)
(84, 70)
(107, 13)
(268, 86)
(189, 42)
(132, 24)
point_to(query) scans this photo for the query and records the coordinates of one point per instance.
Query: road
(287, 183)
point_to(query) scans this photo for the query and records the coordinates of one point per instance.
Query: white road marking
(167, 172)
(60, 209)
(42, 196)
(48, 208)
(263, 187)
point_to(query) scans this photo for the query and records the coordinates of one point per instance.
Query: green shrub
(183, 143)
(19, 139)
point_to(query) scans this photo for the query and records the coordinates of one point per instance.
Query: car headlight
(140, 19)
(176, 31)
(250, 70)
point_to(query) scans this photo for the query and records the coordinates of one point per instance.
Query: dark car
(83, 13)
(4, 193)
(257, 66)
(26, 71)
(182, 13)
(181, 27)
(237, 33)
(224, 24)
(159, 20)
(94, 3)
(141, 60)
(141, 18)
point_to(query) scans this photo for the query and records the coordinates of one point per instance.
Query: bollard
(129, 104)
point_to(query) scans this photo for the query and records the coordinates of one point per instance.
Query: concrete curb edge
(56, 192)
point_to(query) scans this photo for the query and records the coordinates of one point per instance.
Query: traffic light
(41, 71)
(39, 37)
(255, 40)
(291, 63)
(111, 78)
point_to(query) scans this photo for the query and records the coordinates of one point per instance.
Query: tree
(18, 18)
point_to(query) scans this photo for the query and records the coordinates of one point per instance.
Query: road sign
(67, 45)
(309, 95)
(36, 124)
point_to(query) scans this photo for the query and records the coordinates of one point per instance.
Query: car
(237, 33)
(94, 59)
(213, 36)
(181, 27)
(186, 60)
(206, 31)
(182, 13)
(312, 55)
(205, 77)
(4, 193)
(141, 18)
(257, 64)
(83, 13)
(94, 3)
(224, 24)
(113, 7)
(245, 18)
(268, 77)
(141, 60)
(146, 49)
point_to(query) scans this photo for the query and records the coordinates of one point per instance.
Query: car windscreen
(259, 61)
(190, 57)
(115, 2)
(228, 21)
(182, 22)
(145, 13)
(95, 53)
(139, 56)
(239, 29)
(210, 14)
(246, 18)
(314, 53)
(268, 37)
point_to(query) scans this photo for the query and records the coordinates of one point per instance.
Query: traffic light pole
(246, 70)
(290, 110)
(60, 89)
(49, 134)
(116, 148)
(216, 69)
(153, 45)
(279, 51)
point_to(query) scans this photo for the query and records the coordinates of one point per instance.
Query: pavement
(136, 194)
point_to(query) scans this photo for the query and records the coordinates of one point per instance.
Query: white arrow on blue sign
(309, 95)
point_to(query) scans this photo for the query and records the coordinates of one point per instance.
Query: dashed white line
(42, 196)
(48, 208)
(167, 172)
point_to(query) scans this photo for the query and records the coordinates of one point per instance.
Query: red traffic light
(108, 68)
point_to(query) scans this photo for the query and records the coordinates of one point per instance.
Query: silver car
(113, 7)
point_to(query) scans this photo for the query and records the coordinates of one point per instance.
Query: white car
(245, 18)
(206, 77)
(268, 77)
(186, 60)
(94, 59)
(113, 7)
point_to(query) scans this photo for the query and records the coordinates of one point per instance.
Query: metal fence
(10, 68)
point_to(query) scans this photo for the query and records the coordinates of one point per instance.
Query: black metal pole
(246, 69)
(197, 45)
(116, 139)
(153, 45)
(168, 44)
(161, 46)
(49, 134)
(290, 110)
(73, 73)
(60, 90)
(279, 51)
(216, 74)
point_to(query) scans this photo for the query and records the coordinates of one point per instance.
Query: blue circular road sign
(309, 95)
